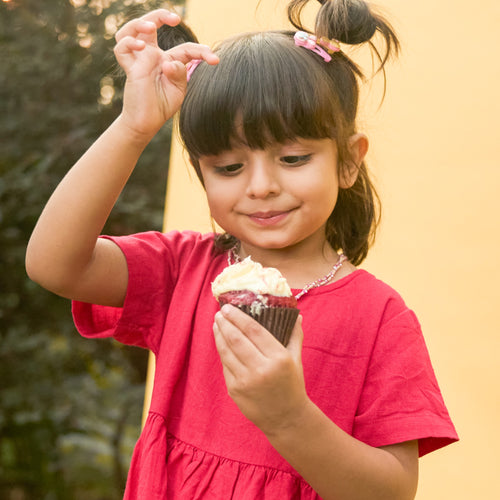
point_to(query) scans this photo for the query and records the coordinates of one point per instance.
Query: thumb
(296, 338)
(175, 72)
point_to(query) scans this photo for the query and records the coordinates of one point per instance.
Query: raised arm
(64, 253)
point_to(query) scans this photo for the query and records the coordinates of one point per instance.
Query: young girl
(268, 121)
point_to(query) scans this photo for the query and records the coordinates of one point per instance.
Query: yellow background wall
(435, 156)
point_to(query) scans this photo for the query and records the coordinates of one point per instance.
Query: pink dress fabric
(365, 365)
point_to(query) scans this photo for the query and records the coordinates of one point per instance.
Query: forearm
(74, 216)
(338, 466)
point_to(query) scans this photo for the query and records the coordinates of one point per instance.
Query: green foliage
(69, 408)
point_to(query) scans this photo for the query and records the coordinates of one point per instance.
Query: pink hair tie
(308, 41)
(191, 66)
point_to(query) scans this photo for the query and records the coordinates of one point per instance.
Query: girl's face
(274, 198)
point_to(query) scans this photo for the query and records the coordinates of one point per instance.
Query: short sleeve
(401, 400)
(153, 261)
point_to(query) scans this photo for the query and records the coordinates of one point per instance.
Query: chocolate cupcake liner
(278, 320)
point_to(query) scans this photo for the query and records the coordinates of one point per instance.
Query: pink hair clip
(191, 66)
(308, 41)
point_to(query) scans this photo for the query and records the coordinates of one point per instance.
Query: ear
(358, 147)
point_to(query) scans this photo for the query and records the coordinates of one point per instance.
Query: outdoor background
(70, 409)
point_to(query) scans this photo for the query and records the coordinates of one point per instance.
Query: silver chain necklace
(233, 258)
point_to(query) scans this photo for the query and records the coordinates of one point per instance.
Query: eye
(228, 170)
(295, 160)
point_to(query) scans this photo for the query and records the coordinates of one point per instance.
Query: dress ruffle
(191, 473)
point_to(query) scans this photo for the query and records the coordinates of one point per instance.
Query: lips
(268, 218)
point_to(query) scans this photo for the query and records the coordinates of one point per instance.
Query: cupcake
(262, 293)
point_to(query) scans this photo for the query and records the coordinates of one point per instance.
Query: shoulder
(364, 279)
(386, 304)
(358, 302)
(166, 239)
(164, 256)
(171, 243)
(362, 288)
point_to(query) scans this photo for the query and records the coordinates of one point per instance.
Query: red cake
(262, 293)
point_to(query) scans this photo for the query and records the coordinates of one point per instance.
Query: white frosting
(250, 275)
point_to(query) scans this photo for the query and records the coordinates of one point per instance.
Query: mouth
(268, 218)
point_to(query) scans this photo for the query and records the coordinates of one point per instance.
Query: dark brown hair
(266, 90)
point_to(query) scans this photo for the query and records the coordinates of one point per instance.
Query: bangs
(265, 90)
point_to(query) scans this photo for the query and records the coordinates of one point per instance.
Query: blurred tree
(69, 408)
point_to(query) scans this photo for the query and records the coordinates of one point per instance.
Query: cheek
(218, 201)
(322, 194)
(328, 195)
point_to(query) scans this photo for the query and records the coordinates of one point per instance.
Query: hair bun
(351, 21)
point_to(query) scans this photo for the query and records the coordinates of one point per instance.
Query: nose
(263, 178)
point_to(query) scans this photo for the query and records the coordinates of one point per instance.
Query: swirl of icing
(250, 275)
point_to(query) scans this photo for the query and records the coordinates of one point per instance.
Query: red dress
(365, 365)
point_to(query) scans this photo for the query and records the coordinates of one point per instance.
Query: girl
(268, 120)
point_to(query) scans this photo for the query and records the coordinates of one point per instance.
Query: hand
(156, 79)
(264, 378)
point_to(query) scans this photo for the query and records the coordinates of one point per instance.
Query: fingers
(267, 388)
(243, 343)
(125, 48)
(239, 345)
(187, 52)
(263, 341)
(148, 24)
(175, 72)
(176, 60)
(161, 17)
(231, 364)
(136, 34)
(176, 64)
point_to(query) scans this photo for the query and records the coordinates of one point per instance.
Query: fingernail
(226, 309)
